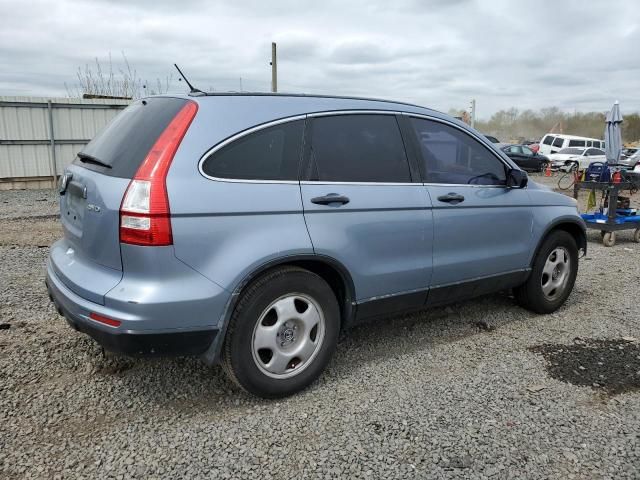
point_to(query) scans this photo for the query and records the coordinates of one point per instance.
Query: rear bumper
(123, 339)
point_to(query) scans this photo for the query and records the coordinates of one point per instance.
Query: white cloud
(438, 53)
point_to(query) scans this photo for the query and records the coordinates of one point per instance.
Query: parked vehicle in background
(534, 146)
(251, 229)
(576, 157)
(554, 142)
(630, 157)
(526, 158)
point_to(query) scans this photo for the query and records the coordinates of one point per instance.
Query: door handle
(452, 198)
(330, 198)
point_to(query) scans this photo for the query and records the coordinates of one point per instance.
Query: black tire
(238, 356)
(530, 295)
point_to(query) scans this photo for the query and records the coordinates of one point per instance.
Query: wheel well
(573, 229)
(335, 275)
(577, 232)
(336, 280)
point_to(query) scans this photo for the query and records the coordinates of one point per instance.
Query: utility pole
(472, 113)
(274, 68)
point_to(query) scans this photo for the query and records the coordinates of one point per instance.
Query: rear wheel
(552, 276)
(282, 333)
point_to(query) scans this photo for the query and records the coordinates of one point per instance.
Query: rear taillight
(144, 213)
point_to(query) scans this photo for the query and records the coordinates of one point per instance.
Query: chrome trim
(331, 113)
(262, 126)
(388, 184)
(241, 134)
(465, 185)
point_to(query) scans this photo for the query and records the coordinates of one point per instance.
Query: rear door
(482, 229)
(88, 259)
(365, 208)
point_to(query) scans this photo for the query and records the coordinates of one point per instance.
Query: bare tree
(100, 81)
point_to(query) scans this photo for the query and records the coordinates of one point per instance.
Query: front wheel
(282, 333)
(552, 276)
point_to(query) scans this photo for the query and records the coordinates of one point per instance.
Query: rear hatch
(88, 259)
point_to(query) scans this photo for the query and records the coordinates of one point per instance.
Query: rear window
(272, 153)
(122, 145)
(558, 142)
(548, 140)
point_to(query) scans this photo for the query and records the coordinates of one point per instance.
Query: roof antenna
(193, 90)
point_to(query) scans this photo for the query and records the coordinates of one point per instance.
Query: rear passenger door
(366, 208)
(482, 228)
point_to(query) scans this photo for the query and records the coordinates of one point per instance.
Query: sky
(575, 55)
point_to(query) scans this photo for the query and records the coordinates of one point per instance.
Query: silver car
(251, 229)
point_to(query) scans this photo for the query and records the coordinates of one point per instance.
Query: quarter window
(269, 154)
(450, 155)
(358, 148)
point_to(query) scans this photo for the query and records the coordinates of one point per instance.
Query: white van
(553, 142)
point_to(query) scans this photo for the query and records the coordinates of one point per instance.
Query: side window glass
(558, 142)
(548, 140)
(269, 154)
(450, 155)
(527, 151)
(358, 148)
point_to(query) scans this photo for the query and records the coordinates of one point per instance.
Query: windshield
(572, 151)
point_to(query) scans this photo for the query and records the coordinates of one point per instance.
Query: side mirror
(517, 179)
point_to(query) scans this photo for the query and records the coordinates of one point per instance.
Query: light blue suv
(250, 229)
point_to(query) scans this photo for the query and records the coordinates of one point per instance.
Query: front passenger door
(482, 228)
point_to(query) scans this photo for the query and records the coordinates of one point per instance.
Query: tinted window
(269, 154)
(594, 151)
(450, 155)
(576, 143)
(548, 140)
(358, 148)
(124, 143)
(596, 144)
(558, 142)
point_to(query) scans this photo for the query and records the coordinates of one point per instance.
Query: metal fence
(39, 137)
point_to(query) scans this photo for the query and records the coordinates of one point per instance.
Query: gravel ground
(455, 392)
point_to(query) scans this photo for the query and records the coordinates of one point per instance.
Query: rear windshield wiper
(86, 158)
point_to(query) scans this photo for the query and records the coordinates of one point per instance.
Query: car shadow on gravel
(188, 383)
(609, 366)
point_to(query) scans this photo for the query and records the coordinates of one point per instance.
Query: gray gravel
(430, 395)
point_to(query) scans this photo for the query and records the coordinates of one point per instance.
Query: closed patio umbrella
(613, 135)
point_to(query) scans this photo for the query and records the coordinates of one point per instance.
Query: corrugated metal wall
(25, 132)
